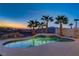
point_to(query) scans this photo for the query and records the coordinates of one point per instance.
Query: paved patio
(50, 49)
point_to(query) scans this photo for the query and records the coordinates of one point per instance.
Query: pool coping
(26, 38)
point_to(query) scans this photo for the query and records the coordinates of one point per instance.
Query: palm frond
(61, 19)
(76, 19)
(56, 22)
(71, 24)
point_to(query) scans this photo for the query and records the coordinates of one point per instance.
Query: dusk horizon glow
(17, 15)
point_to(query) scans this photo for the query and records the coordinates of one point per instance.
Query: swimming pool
(36, 41)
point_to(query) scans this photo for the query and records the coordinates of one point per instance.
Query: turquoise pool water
(36, 41)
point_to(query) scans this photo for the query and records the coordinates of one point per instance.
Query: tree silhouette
(41, 26)
(33, 24)
(46, 19)
(61, 20)
(76, 20)
(71, 24)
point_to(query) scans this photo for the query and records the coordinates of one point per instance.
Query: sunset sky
(17, 15)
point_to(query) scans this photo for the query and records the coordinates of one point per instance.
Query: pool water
(36, 41)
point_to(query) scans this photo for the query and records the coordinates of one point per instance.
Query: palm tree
(71, 24)
(41, 25)
(33, 24)
(61, 20)
(46, 19)
(76, 20)
(75, 29)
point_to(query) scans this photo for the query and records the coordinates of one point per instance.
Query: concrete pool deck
(50, 49)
